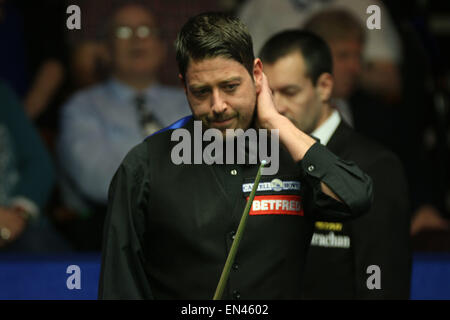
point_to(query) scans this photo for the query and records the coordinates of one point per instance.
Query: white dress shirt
(326, 130)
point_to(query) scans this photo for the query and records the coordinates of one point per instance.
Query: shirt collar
(127, 93)
(326, 129)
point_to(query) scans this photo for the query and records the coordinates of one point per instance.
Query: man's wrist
(295, 140)
(276, 122)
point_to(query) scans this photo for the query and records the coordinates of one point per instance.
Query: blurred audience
(88, 64)
(425, 105)
(33, 62)
(100, 124)
(13, 55)
(88, 60)
(346, 39)
(26, 181)
(392, 126)
(382, 55)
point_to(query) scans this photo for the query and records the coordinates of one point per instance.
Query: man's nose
(218, 104)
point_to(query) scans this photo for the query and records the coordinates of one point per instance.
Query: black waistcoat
(192, 214)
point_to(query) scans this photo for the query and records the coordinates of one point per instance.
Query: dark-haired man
(170, 227)
(369, 257)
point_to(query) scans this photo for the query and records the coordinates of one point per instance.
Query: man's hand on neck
(296, 141)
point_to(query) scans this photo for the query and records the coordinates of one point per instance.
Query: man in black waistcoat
(368, 257)
(170, 225)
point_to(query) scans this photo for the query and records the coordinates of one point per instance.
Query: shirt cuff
(317, 161)
(344, 178)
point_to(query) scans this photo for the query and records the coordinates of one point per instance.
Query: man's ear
(257, 74)
(324, 86)
(183, 83)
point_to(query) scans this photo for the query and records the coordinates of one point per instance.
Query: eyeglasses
(126, 32)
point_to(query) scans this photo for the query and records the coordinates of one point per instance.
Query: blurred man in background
(100, 124)
(299, 68)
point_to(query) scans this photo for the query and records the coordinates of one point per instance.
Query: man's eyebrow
(237, 78)
(203, 86)
(198, 86)
(291, 87)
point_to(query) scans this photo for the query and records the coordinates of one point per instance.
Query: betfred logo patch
(276, 204)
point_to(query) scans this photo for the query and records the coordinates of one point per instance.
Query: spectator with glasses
(101, 123)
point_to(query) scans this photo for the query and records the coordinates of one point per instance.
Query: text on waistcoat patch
(330, 240)
(333, 226)
(274, 185)
(276, 204)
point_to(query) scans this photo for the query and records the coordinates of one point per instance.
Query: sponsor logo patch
(274, 185)
(276, 204)
(330, 240)
(277, 185)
